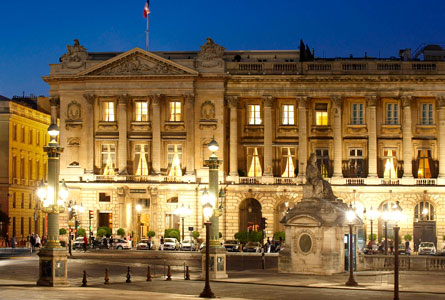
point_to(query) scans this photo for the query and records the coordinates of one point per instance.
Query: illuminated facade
(135, 128)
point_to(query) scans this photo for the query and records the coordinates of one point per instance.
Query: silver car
(189, 244)
(171, 244)
(427, 248)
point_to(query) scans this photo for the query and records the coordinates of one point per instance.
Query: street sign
(190, 228)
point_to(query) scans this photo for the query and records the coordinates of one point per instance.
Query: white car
(427, 248)
(189, 244)
(171, 244)
(120, 244)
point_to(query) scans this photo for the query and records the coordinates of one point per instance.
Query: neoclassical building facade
(135, 128)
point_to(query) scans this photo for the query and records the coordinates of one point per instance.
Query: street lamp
(350, 216)
(373, 214)
(183, 212)
(396, 216)
(207, 209)
(385, 217)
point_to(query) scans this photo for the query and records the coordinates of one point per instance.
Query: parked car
(120, 244)
(441, 252)
(78, 243)
(427, 248)
(232, 246)
(144, 245)
(252, 247)
(171, 244)
(189, 244)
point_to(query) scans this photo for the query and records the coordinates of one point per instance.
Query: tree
(62, 231)
(279, 234)
(408, 237)
(373, 238)
(121, 232)
(151, 233)
(107, 230)
(172, 233)
(195, 234)
(101, 232)
(81, 232)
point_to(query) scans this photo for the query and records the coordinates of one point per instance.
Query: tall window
(14, 132)
(38, 138)
(427, 114)
(14, 167)
(22, 203)
(30, 201)
(288, 160)
(425, 163)
(392, 113)
(321, 114)
(288, 115)
(253, 162)
(14, 200)
(22, 225)
(108, 111)
(254, 114)
(30, 169)
(141, 111)
(390, 164)
(31, 132)
(356, 162)
(108, 158)
(174, 158)
(141, 158)
(38, 170)
(22, 168)
(357, 114)
(175, 111)
(22, 136)
(424, 211)
(323, 161)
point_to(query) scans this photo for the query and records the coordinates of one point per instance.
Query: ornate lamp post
(385, 217)
(207, 209)
(350, 216)
(183, 212)
(53, 257)
(396, 216)
(373, 214)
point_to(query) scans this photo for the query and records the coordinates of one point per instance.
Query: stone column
(268, 102)
(372, 142)
(407, 137)
(189, 126)
(122, 143)
(302, 135)
(441, 135)
(338, 153)
(89, 139)
(156, 134)
(233, 140)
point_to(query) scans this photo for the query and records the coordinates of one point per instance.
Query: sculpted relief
(75, 57)
(208, 111)
(211, 55)
(73, 116)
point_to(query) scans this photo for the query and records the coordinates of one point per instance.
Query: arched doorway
(250, 215)
(424, 223)
(279, 213)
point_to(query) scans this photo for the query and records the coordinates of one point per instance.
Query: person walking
(37, 241)
(32, 240)
(85, 243)
(13, 241)
(7, 244)
(407, 248)
(162, 243)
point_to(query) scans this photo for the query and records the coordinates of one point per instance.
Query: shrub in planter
(151, 233)
(81, 232)
(408, 237)
(279, 234)
(172, 233)
(62, 231)
(101, 232)
(121, 232)
(374, 237)
(195, 234)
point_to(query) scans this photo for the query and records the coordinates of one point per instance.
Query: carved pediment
(138, 62)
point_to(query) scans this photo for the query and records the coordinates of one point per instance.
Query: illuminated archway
(250, 215)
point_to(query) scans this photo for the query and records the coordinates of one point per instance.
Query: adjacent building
(135, 128)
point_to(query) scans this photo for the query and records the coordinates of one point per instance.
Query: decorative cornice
(440, 101)
(54, 101)
(268, 101)
(189, 98)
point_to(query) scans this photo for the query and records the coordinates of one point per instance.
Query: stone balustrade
(412, 263)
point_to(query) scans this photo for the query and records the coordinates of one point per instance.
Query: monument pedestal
(53, 267)
(218, 263)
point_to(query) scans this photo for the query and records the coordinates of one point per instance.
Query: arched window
(424, 211)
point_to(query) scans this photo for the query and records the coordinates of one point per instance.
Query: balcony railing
(250, 180)
(285, 180)
(390, 181)
(426, 181)
(355, 181)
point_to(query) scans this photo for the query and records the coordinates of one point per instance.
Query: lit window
(424, 162)
(427, 114)
(390, 164)
(175, 111)
(108, 158)
(288, 115)
(356, 163)
(254, 115)
(321, 114)
(174, 158)
(141, 111)
(357, 114)
(288, 160)
(109, 112)
(253, 163)
(424, 211)
(392, 113)
(141, 156)
(323, 161)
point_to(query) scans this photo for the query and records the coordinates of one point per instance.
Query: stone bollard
(187, 273)
(169, 274)
(107, 278)
(128, 276)
(148, 274)
(84, 279)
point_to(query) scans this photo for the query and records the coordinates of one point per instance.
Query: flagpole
(147, 31)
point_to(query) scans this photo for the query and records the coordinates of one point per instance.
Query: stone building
(24, 164)
(135, 128)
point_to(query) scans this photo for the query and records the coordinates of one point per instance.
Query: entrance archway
(424, 223)
(250, 215)
(280, 211)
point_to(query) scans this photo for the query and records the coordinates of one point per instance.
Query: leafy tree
(252, 236)
(279, 234)
(151, 233)
(62, 231)
(101, 232)
(374, 237)
(81, 232)
(408, 237)
(220, 235)
(121, 232)
(172, 233)
(195, 234)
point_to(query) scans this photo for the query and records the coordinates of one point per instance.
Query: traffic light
(71, 230)
(263, 223)
(90, 214)
(90, 228)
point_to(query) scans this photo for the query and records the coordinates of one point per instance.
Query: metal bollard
(187, 273)
(107, 278)
(148, 274)
(169, 274)
(128, 276)
(84, 279)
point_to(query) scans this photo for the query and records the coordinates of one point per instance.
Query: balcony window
(253, 163)
(141, 157)
(141, 111)
(323, 161)
(175, 111)
(174, 158)
(254, 114)
(288, 112)
(108, 155)
(427, 114)
(108, 111)
(357, 114)
(424, 162)
(356, 163)
(321, 114)
(288, 161)
(390, 164)
(392, 113)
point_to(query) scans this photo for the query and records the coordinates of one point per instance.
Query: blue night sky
(35, 33)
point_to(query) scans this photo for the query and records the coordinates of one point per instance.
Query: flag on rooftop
(147, 9)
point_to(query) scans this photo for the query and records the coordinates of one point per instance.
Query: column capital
(268, 100)
(90, 98)
(189, 98)
(337, 100)
(155, 98)
(303, 101)
(54, 100)
(407, 100)
(232, 101)
(440, 99)
(372, 99)
(123, 99)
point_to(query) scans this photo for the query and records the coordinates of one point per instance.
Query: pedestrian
(407, 249)
(32, 240)
(162, 243)
(268, 245)
(43, 243)
(37, 241)
(13, 241)
(7, 244)
(149, 243)
(85, 243)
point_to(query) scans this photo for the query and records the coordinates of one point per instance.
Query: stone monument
(315, 229)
